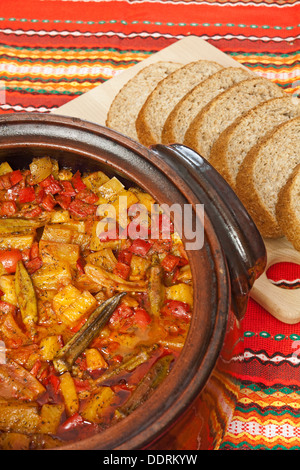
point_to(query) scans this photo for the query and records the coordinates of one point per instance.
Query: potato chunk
(69, 393)
(52, 276)
(53, 252)
(14, 441)
(98, 405)
(19, 417)
(40, 169)
(71, 304)
(182, 292)
(26, 297)
(50, 418)
(49, 347)
(7, 285)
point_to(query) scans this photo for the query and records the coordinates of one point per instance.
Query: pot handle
(239, 237)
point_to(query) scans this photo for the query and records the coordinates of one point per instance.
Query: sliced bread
(288, 208)
(127, 103)
(191, 104)
(223, 110)
(265, 171)
(230, 149)
(166, 95)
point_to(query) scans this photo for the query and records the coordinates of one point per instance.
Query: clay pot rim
(142, 434)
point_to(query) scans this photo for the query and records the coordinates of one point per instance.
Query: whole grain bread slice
(127, 103)
(265, 171)
(166, 95)
(223, 110)
(194, 101)
(230, 149)
(288, 208)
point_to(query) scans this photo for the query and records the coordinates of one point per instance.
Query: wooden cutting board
(92, 106)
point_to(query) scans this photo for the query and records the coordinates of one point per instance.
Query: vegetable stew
(96, 300)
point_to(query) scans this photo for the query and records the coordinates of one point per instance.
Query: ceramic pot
(223, 269)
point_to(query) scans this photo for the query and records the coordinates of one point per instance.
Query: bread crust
(286, 211)
(246, 188)
(197, 135)
(284, 107)
(197, 98)
(124, 108)
(149, 114)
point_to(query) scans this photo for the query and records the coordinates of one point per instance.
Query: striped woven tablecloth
(52, 51)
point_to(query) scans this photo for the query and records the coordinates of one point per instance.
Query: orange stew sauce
(69, 242)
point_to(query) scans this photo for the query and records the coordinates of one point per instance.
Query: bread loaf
(191, 104)
(265, 171)
(127, 103)
(166, 95)
(230, 149)
(288, 208)
(224, 109)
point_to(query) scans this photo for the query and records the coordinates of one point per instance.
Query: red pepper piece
(46, 182)
(80, 265)
(120, 386)
(118, 358)
(10, 258)
(122, 312)
(170, 262)
(31, 214)
(140, 247)
(77, 182)
(26, 195)
(125, 256)
(50, 185)
(48, 202)
(87, 196)
(67, 188)
(122, 270)
(12, 194)
(81, 209)
(141, 317)
(15, 177)
(72, 422)
(33, 265)
(36, 367)
(54, 381)
(175, 275)
(177, 309)
(6, 307)
(63, 200)
(53, 188)
(82, 385)
(78, 325)
(162, 245)
(8, 208)
(34, 250)
(81, 361)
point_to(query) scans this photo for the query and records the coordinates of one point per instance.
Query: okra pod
(147, 385)
(66, 357)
